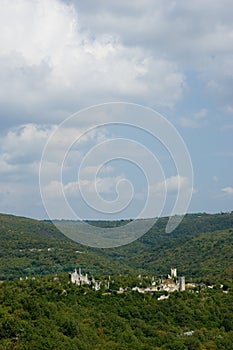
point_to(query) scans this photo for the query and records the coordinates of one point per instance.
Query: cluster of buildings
(170, 284)
(79, 279)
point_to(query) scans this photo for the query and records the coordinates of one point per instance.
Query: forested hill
(200, 247)
(51, 313)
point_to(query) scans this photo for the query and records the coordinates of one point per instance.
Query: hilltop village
(169, 284)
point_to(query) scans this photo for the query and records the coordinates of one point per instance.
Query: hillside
(201, 248)
(30, 247)
(50, 313)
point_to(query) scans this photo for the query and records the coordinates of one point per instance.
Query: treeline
(200, 247)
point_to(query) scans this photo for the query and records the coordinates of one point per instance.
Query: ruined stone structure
(170, 284)
(78, 278)
(181, 281)
(173, 272)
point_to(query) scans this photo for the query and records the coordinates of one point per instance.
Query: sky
(167, 62)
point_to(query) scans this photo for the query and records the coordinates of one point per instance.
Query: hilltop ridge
(200, 247)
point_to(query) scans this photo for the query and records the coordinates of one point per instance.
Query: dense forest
(46, 311)
(200, 247)
(50, 313)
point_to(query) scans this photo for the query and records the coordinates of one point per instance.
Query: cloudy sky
(58, 57)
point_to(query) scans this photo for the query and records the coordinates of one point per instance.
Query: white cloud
(107, 194)
(197, 35)
(228, 190)
(20, 155)
(59, 56)
(24, 144)
(77, 56)
(101, 184)
(197, 120)
(6, 167)
(54, 190)
(201, 114)
(171, 184)
(50, 65)
(175, 182)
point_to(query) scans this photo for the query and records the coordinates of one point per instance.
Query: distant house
(163, 297)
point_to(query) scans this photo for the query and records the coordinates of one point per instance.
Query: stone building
(181, 281)
(78, 278)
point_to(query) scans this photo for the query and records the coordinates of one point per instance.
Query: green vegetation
(30, 247)
(201, 249)
(47, 313)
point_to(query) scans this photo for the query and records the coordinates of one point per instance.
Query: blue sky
(59, 57)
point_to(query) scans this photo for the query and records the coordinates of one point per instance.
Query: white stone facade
(78, 278)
